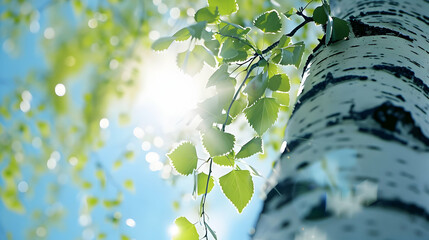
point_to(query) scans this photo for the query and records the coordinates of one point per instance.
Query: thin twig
(238, 91)
(290, 34)
(203, 212)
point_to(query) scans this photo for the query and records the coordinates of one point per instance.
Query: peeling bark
(357, 157)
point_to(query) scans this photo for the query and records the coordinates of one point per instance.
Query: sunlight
(168, 90)
(173, 230)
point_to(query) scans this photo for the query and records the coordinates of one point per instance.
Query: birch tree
(357, 155)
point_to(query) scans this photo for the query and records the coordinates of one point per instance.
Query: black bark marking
(318, 212)
(398, 205)
(289, 189)
(361, 29)
(285, 224)
(404, 72)
(390, 117)
(322, 86)
(302, 165)
(391, 121)
(296, 142)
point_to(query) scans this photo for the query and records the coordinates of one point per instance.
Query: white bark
(357, 161)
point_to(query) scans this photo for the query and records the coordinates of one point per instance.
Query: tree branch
(290, 34)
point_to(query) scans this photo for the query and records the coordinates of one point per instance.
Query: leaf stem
(239, 89)
(203, 211)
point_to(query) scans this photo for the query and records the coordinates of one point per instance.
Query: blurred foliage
(51, 119)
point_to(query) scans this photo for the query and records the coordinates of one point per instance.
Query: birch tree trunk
(356, 164)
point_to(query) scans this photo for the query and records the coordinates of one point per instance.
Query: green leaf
(290, 55)
(182, 35)
(213, 45)
(196, 30)
(269, 22)
(340, 29)
(319, 15)
(184, 158)
(202, 183)
(232, 30)
(289, 13)
(220, 75)
(211, 111)
(262, 115)
(226, 160)
(237, 186)
(230, 49)
(99, 174)
(217, 142)
(186, 230)
(237, 106)
(283, 41)
(162, 43)
(192, 62)
(207, 14)
(129, 185)
(225, 91)
(226, 7)
(282, 98)
(91, 202)
(279, 82)
(125, 237)
(256, 87)
(252, 147)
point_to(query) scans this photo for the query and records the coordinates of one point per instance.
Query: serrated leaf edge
(253, 192)
(277, 117)
(171, 161)
(278, 15)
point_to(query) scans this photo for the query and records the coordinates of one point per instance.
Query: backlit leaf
(226, 7)
(162, 43)
(269, 22)
(279, 82)
(262, 115)
(250, 148)
(226, 160)
(231, 29)
(289, 13)
(256, 87)
(282, 98)
(184, 158)
(192, 62)
(217, 142)
(238, 106)
(196, 30)
(237, 186)
(207, 14)
(186, 230)
(290, 55)
(182, 34)
(202, 183)
(220, 75)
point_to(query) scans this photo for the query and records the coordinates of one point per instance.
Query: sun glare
(168, 90)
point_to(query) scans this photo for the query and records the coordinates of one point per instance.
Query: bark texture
(356, 164)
